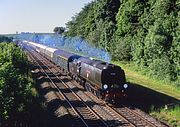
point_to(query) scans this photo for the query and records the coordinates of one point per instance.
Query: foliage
(5, 39)
(15, 85)
(145, 32)
(96, 22)
(136, 76)
(59, 30)
(170, 115)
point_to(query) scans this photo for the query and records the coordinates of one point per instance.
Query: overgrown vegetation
(170, 115)
(146, 33)
(16, 96)
(133, 75)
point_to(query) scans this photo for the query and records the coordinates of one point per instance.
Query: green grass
(171, 116)
(138, 77)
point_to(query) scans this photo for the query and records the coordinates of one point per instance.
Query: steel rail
(92, 111)
(59, 90)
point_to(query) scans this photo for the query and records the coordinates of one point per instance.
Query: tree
(59, 30)
(5, 39)
(15, 85)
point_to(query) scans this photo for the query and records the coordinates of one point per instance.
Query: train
(105, 80)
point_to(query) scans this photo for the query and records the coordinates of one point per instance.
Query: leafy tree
(59, 30)
(98, 24)
(15, 86)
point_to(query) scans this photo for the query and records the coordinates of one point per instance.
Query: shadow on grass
(146, 98)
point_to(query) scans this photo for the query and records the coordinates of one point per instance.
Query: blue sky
(36, 15)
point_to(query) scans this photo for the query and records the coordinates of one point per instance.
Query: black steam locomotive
(105, 80)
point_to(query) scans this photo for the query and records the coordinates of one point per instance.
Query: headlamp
(105, 86)
(125, 86)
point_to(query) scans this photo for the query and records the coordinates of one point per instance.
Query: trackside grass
(172, 115)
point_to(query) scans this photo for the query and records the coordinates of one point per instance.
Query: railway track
(100, 112)
(88, 117)
(134, 116)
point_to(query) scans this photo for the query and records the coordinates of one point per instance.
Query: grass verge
(170, 115)
(138, 77)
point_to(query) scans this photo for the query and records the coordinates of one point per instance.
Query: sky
(37, 15)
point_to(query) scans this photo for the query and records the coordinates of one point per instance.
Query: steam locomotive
(105, 80)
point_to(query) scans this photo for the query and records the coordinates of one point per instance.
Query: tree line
(145, 32)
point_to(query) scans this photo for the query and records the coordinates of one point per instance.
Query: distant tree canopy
(146, 32)
(5, 39)
(59, 30)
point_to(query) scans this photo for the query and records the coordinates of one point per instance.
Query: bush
(15, 84)
(170, 115)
